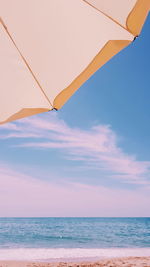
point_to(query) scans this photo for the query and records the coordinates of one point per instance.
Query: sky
(92, 157)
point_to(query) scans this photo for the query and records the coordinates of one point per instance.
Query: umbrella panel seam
(25, 61)
(109, 17)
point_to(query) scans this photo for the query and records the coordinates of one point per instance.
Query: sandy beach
(117, 262)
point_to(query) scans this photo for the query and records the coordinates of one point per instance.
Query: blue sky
(92, 157)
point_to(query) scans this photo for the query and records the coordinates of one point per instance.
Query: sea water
(52, 238)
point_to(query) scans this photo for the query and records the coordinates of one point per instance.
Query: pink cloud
(23, 195)
(98, 146)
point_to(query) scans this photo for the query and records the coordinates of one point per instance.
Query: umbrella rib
(25, 61)
(85, 1)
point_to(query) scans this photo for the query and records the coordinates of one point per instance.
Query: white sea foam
(74, 253)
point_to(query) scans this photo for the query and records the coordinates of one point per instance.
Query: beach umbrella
(49, 48)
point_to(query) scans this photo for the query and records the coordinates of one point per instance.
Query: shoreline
(69, 254)
(75, 257)
(109, 262)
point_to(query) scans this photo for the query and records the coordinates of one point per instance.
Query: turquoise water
(74, 233)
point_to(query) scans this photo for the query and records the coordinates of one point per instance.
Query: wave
(67, 253)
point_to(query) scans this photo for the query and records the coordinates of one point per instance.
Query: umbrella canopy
(49, 48)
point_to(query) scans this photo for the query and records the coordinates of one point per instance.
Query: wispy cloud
(96, 147)
(23, 195)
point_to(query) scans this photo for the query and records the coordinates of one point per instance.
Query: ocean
(52, 238)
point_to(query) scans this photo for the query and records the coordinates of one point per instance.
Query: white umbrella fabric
(49, 48)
